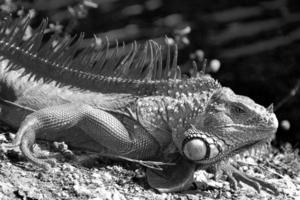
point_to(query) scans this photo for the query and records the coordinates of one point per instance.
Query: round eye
(237, 109)
(195, 149)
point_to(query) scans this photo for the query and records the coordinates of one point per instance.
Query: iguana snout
(228, 111)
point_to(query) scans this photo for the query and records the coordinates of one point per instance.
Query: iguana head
(229, 125)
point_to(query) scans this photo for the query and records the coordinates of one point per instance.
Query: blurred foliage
(252, 46)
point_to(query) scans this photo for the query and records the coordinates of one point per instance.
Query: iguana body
(125, 105)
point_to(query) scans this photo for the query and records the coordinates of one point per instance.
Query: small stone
(6, 188)
(214, 65)
(117, 196)
(192, 197)
(68, 168)
(103, 193)
(81, 190)
(75, 176)
(227, 194)
(3, 138)
(164, 195)
(285, 125)
(63, 194)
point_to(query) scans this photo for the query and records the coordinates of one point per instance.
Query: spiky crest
(139, 70)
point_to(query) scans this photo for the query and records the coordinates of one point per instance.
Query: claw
(27, 149)
(9, 146)
(235, 175)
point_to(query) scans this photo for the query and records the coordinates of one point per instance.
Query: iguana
(128, 103)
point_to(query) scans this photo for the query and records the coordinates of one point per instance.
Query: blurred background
(251, 46)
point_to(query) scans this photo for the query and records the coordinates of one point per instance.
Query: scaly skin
(193, 123)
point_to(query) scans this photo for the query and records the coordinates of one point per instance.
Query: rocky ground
(99, 178)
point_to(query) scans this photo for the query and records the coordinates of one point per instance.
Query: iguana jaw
(203, 151)
(240, 149)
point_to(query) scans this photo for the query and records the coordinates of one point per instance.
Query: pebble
(6, 188)
(227, 194)
(215, 65)
(3, 138)
(285, 125)
(68, 168)
(81, 190)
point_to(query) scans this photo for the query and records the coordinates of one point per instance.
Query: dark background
(257, 42)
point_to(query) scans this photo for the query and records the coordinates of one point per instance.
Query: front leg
(104, 128)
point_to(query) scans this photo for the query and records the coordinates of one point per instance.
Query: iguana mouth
(249, 127)
(236, 150)
(249, 146)
(205, 152)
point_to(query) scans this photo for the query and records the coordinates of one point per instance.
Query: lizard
(128, 103)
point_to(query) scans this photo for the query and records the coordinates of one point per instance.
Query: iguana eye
(237, 109)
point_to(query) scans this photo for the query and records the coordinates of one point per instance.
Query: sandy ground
(99, 178)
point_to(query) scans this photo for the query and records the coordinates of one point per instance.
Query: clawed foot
(235, 176)
(37, 157)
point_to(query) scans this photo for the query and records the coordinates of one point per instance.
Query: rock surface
(103, 179)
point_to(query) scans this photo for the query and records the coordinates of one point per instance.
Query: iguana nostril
(195, 149)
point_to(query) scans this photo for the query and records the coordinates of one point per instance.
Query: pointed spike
(155, 58)
(136, 64)
(17, 30)
(149, 70)
(167, 68)
(174, 61)
(107, 45)
(100, 65)
(160, 61)
(157, 68)
(62, 45)
(85, 57)
(194, 70)
(141, 61)
(128, 54)
(34, 43)
(69, 54)
(114, 63)
(119, 70)
(270, 108)
(48, 46)
(151, 54)
(117, 46)
(204, 66)
(97, 42)
(178, 73)
(124, 66)
(174, 73)
(132, 57)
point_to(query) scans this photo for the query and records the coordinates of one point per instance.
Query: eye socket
(237, 109)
